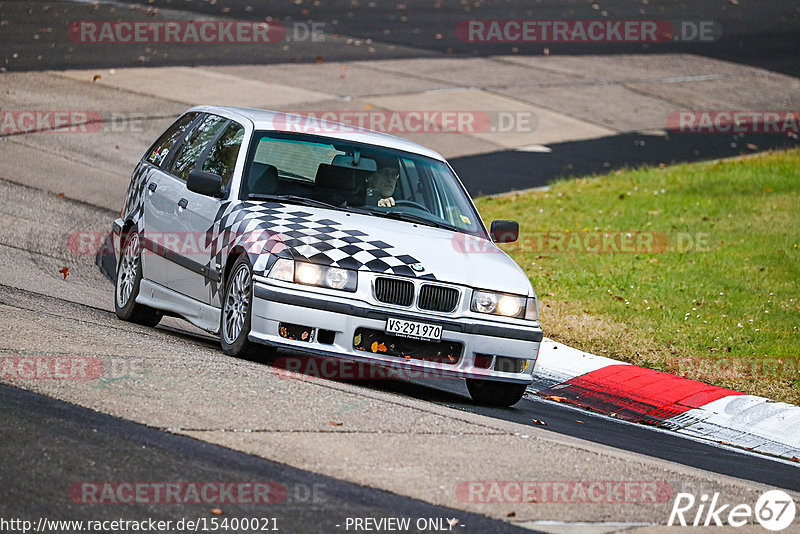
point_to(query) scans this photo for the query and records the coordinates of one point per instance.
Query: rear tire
(237, 306)
(126, 288)
(493, 393)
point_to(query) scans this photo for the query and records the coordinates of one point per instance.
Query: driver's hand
(386, 202)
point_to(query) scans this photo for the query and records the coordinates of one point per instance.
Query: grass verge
(690, 269)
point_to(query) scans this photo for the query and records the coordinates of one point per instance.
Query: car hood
(453, 257)
(376, 244)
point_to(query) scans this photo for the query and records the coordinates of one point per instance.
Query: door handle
(152, 187)
(183, 203)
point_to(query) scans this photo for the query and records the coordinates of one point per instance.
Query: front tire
(126, 288)
(237, 306)
(493, 393)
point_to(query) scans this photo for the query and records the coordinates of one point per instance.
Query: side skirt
(162, 298)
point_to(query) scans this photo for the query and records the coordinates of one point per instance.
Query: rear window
(293, 158)
(160, 150)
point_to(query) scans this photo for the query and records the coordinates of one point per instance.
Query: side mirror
(504, 231)
(205, 183)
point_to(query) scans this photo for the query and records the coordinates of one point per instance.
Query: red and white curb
(642, 395)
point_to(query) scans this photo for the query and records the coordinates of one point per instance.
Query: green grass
(720, 304)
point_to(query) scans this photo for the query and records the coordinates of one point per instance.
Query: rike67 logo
(774, 510)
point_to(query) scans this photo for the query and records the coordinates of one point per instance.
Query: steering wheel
(411, 204)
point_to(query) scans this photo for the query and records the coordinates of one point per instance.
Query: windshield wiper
(410, 217)
(294, 199)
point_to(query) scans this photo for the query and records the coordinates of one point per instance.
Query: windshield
(357, 177)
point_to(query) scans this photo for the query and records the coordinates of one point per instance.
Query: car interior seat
(263, 179)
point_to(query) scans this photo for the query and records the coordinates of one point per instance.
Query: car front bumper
(275, 306)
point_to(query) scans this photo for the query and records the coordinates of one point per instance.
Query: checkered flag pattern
(267, 230)
(134, 202)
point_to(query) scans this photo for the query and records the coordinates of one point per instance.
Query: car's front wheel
(129, 277)
(493, 393)
(237, 305)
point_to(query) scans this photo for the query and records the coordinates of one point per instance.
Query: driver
(380, 187)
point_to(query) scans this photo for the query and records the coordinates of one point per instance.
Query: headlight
(504, 305)
(484, 302)
(308, 274)
(311, 274)
(336, 278)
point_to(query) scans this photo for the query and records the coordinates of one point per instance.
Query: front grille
(437, 298)
(393, 291)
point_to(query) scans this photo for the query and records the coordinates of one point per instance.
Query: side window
(194, 146)
(160, 149)
(222, 158)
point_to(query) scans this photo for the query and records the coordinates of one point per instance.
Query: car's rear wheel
(495, 393)
(129, 277)
(237, 305)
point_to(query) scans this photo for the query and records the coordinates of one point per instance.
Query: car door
(176, 253)
(196, 212)
(157, 209)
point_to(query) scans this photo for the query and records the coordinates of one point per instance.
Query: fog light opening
(483, 361)
(326, 336)
(296, 332)
(508, 365)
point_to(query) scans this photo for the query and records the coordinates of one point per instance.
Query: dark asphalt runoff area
(49, 447)
(760, 34)
(516, 170)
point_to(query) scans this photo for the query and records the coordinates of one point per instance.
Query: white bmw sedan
(340, 243)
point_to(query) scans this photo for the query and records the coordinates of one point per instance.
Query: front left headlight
(504, 305)
(311, 274)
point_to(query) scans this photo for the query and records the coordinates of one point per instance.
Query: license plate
(413, 330)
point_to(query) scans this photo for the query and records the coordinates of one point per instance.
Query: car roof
(265, 120)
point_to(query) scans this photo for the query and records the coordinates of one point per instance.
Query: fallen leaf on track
(64, 271)
(539, 422)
